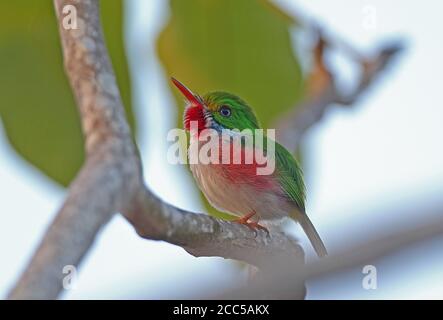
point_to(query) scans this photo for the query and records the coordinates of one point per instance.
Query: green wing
(290, 176)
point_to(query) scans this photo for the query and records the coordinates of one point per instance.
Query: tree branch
(282, 280)
(323, 91)
(203, 235)
(96, 194)
(111, 180)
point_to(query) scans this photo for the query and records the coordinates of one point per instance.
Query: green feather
(290, 176)
(243, 117)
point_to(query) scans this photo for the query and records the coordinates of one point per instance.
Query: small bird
(237, 188)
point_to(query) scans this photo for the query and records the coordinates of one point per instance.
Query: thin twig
(292, 126)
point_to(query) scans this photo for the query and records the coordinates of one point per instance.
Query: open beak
(192, 98)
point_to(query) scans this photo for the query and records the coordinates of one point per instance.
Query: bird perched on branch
(237, 188)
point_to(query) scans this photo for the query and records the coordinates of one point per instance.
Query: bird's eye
(225, 111)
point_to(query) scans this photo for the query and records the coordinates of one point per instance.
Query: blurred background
(372, 169)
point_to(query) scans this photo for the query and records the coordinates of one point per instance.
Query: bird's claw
(253, 225)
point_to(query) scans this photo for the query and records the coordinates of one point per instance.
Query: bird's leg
(252, 224)
(244, 219)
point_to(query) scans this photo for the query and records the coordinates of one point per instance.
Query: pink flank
(244, 173)
(237, 189)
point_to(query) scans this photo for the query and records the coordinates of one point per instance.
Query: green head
(229, 111)
(217, 110)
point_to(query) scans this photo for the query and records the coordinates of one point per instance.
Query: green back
(290, 176)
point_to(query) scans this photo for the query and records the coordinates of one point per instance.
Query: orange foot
(251, 224)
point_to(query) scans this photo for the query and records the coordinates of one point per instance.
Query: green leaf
(239, 46)
(37, 107)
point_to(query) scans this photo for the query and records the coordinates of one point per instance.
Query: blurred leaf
(239, 46)
(37, 107)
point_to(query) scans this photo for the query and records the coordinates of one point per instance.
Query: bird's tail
(310, 231)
